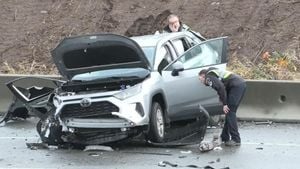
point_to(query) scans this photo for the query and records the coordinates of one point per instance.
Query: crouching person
(230, 88)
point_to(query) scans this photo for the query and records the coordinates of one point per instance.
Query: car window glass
(191, 41)
(178, 44)
(205, 54)
(149, 52)
(171, 50)
(194, 39)
(166, 58)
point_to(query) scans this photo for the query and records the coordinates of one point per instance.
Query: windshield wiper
(118, 78)
(110, 79)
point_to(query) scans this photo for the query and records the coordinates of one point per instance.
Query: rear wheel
(157, 124)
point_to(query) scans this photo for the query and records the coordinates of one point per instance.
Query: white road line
(272, 144)
(14, 138)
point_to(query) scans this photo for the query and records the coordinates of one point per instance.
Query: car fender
(156, 93)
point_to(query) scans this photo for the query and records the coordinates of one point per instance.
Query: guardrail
(263, 100)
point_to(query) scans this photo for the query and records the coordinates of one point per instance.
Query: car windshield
(149, 52)
(127, 73)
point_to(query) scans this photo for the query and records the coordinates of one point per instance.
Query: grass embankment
(267, 66)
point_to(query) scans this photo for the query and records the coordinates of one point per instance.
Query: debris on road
(212, 145)
(217, 161)
(268, 122)
(186, 152)
(94, 154)
(165, 163)
(259, 148)
(2, 124)
(35, 146)
(208, 167)
(52, 147)
(206, 146)
(98, 148)
(218, 148)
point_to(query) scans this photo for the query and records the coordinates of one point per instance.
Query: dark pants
(230, 129)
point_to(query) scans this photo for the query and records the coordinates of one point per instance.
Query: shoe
(232, 143)
(224, 140)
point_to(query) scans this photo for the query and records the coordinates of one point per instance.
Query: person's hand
(226, 109)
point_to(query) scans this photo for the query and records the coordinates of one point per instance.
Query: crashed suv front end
(108, 113)
(101, 100)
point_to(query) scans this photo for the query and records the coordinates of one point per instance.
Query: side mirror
(177, 67)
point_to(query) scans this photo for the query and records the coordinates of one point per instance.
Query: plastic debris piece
(206, 146)
(165, 163)
(51, 147)
(208, 167)
(97, 148)
(218, 148)
(2, 124)
(259, 148)
(35, 146)
(162, 164)
(193, 166)
(186, 152)
(93, 154)
(268, 122)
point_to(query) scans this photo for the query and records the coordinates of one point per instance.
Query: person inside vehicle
(230, 88)
(175, 25)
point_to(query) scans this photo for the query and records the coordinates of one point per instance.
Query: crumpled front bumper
(130, 112)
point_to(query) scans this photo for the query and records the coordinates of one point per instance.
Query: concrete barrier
(263, 100)
(271, 100)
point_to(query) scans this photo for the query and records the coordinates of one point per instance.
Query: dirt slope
(30, 29)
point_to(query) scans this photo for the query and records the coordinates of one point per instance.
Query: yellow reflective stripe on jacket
(220, 73)
(227, 74)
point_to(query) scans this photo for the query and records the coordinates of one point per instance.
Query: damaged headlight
(129, 92)
(56, 101)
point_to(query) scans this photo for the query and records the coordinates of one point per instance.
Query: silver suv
(117, 87)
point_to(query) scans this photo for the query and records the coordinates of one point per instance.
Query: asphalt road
(275, 146)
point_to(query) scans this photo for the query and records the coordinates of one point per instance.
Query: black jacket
(223, 86)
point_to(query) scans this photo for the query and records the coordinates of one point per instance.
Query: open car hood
(88, 53)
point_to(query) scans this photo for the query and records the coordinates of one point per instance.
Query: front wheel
(157, 124)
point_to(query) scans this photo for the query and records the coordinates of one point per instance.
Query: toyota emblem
(86, 102)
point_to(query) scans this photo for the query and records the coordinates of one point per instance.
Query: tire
(157, 124)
